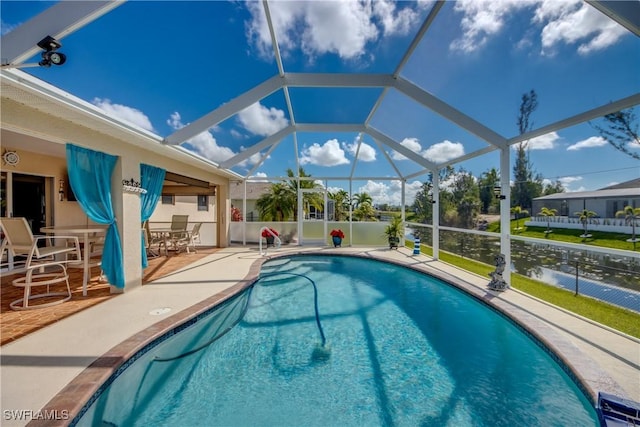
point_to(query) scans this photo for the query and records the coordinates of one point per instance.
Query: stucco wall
(20, 118)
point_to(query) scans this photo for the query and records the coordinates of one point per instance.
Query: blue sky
(162, 65)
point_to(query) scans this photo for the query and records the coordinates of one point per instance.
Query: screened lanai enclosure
(443, 112)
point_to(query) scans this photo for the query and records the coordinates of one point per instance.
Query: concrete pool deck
(38, 367)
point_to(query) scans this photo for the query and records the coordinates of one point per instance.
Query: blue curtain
(90, 178)
(151, 179)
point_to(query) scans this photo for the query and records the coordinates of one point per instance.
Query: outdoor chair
(179, 237)
(153, 239)
(44, 265)
(194, 236)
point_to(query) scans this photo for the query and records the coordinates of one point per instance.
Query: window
(168, 199)
(203, 203)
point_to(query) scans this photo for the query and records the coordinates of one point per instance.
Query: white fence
(611, 225)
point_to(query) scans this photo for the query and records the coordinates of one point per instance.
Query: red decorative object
(236, 215)
(337, 233)
(266, 233)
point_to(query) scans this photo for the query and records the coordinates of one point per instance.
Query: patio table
(87, 232)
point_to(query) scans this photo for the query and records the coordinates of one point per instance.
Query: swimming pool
(402, 348)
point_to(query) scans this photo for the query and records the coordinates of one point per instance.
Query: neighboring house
(254, 191)
(604, 202)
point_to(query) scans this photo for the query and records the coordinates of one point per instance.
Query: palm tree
(546, 212)
(631, 215)
(341, 203)
(278, 204)
(584, 216)
(365, 212)
(361, 198)
(518, 211)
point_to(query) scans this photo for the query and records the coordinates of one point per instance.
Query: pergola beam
(256, 148)
(410, 154)
(625, 13)
(612, 107)
(58, 21)
(337, 80)
(448, 112)
(225, 111)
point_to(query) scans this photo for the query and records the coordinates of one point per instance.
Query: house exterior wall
(21, 118)
(188, 205)
(605, 207)
(55, 168)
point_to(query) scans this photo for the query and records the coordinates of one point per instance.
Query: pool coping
(74, 398)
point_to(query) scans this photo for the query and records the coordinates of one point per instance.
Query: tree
(422, 205)
(278, 204)
(631, 215)
(341, 204)
(361, 198)
(584, 216)
(365, 212)
(487, 181)
(621, 131)
(546, 212)
(554, 188)
(527, 185)
(518, 212)
(465, 198)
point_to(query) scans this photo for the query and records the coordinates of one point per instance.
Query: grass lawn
(598, 238)
(617, 318)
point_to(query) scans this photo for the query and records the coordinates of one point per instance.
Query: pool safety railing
(276, 240)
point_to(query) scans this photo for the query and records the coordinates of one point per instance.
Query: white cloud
(594, 141)
(390, 193)
(567, 181)
(576, 22)
(366, 154)
(261, 120)
(328, 154)
(258, 177)
(570, 22)
(254, 159)
(481, 20)
(544, 142)
(204, 144)
(443, 151)
(123, 112)
(412, 144)
(439, 152)
(340, 27)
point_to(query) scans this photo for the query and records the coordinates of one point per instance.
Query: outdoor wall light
(50, 56)
(61, 191)
(497, 191)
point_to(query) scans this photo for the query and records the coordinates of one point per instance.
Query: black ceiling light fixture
(50, 54)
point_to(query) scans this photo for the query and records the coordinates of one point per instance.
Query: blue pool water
(402, 349)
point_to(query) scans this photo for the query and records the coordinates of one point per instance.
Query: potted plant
(394, 231)
(269, 234)
(337, 235)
